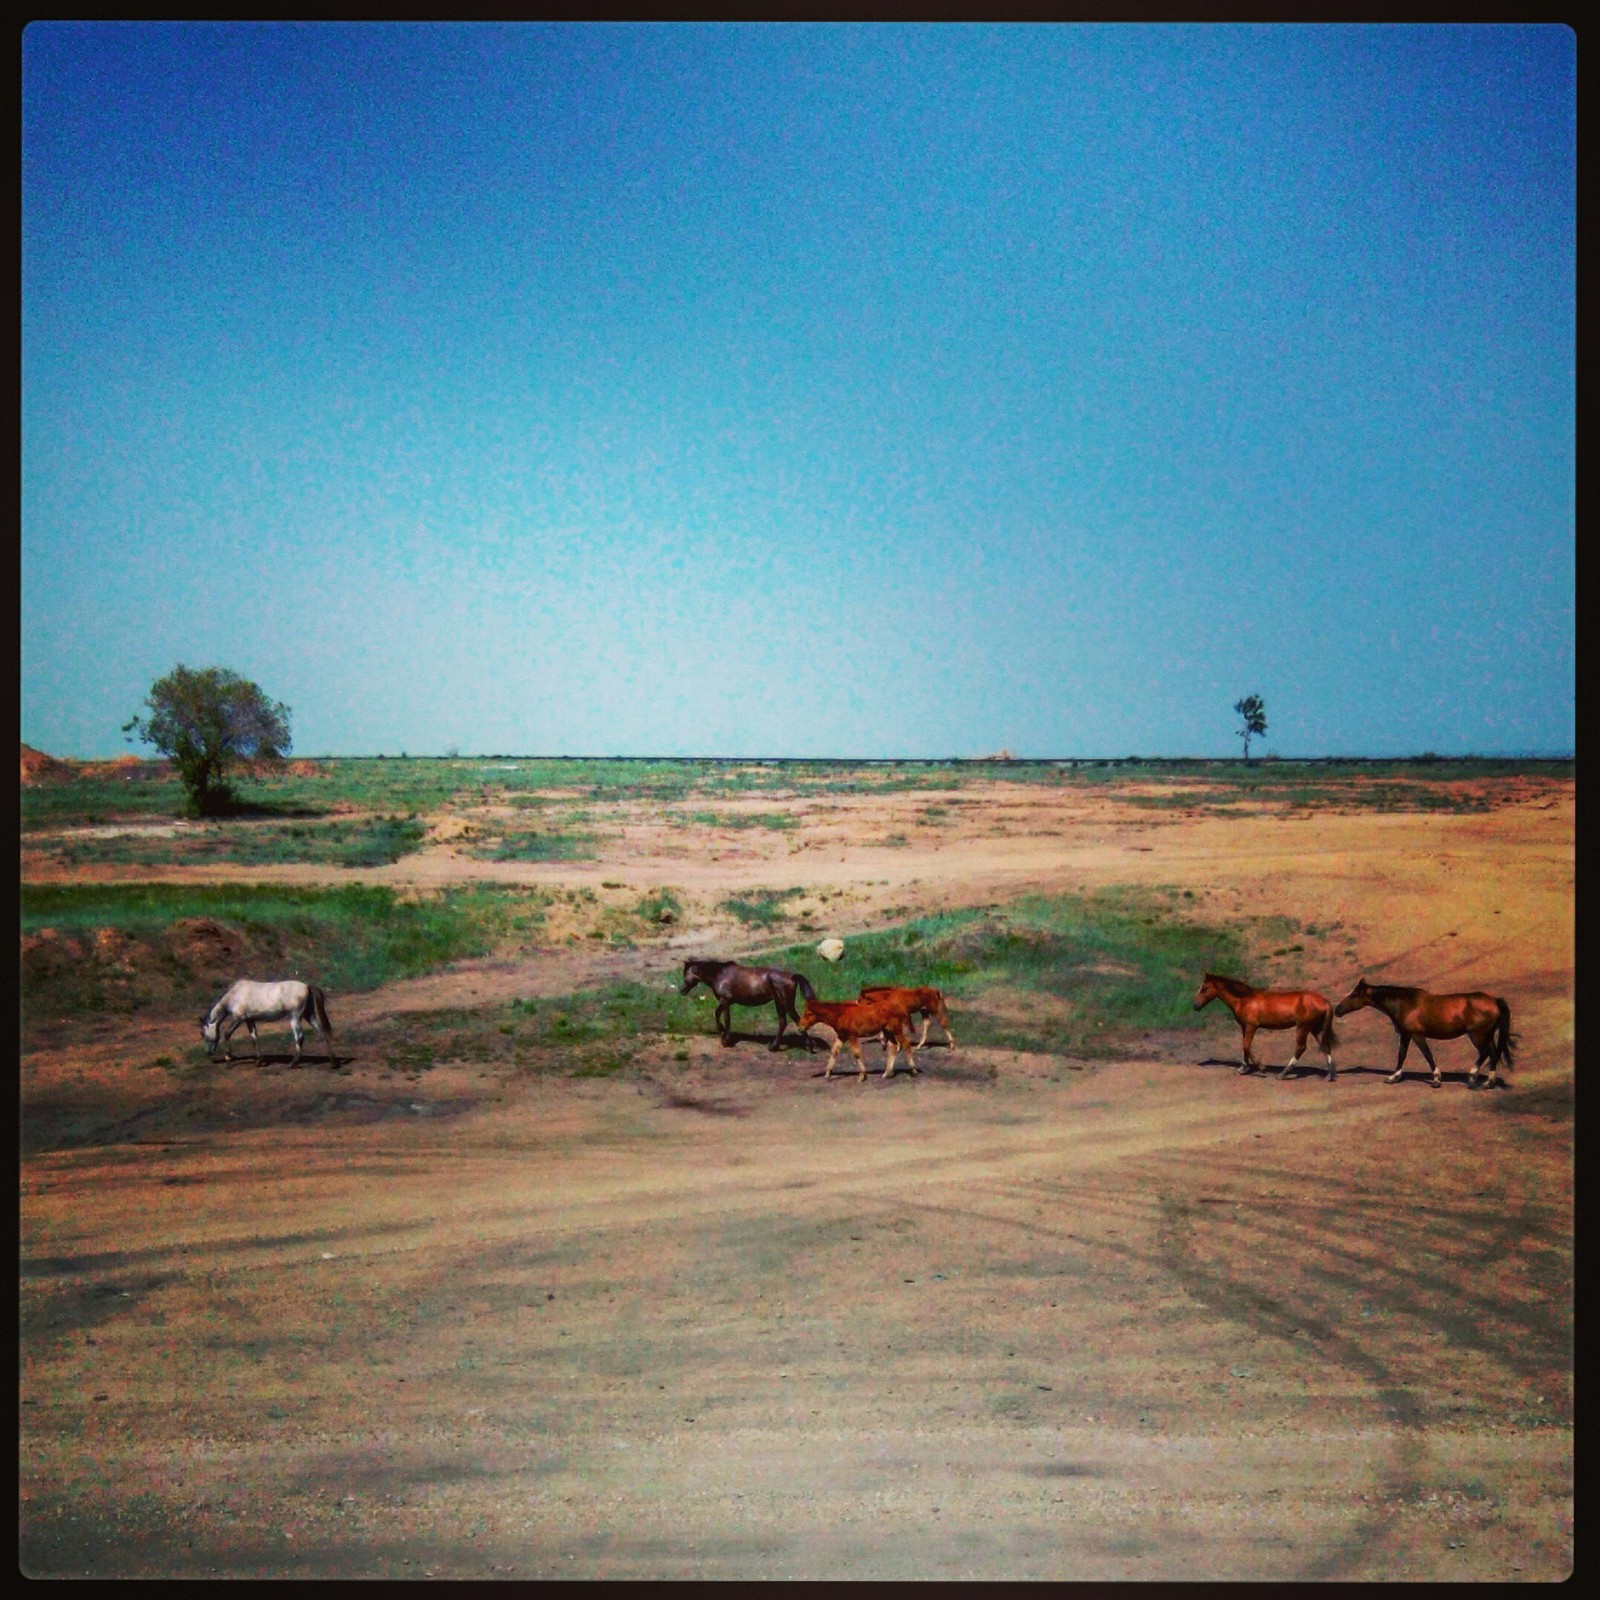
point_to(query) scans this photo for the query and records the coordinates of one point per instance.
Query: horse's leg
(1427, 1055)
(255, 1038)
(229, 1028)
(861, 1060)
(832, 1055)
(725, 1020)
(294, 1028)
(1485, 1048)
(888, 1066)
(1249, 1033)
(1302, 1032)
(783, 1020)
(1400, 1062)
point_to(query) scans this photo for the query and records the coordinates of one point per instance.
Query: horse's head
(1206, 993)
(1358, 997)
(690, 976)
(208, 1032)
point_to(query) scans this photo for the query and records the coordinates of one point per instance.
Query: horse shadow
(790, 1041)
(275, 1058)
(1311, 1069)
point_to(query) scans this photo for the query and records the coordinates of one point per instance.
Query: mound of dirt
(37, 767)
(208, 948)
(48, 953)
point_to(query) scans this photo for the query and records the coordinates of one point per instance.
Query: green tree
(1253, 709)
(207, 721)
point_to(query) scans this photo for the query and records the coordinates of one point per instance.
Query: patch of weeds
(530, 846)
(660, 906)
(760, 908)
(735, 820)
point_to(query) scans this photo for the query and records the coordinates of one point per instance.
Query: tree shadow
(237, 810)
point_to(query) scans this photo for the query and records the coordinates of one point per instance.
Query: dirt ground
(1012, 1318)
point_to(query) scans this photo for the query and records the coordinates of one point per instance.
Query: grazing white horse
(250, 1002)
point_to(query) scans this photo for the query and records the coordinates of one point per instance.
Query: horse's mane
(1393, 989)
(1234, 986)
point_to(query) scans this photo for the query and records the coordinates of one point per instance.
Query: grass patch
(117, 948)
(761, 908)
(662, 905)
(776, 820)
(1096, 973)
(517, 845)
(368, 842)
(1072, 975)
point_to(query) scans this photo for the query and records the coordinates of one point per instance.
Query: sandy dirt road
(1147, 1319)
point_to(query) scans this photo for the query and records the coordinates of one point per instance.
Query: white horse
(250, 1002)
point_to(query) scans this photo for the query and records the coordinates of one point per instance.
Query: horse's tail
(1504, 1041)
(320, 1002)
(803, 984)
(1327, 1038)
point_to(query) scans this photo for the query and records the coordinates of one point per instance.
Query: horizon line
(1426, 757)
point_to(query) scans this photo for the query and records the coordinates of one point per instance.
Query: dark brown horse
(1416, 1014)
(1304, 1010)
(734, 985)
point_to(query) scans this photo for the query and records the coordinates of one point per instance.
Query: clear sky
(804, 390)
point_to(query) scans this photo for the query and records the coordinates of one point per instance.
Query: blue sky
(804, 390)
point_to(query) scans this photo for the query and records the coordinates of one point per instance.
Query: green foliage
(206, 721)
(1252, 711)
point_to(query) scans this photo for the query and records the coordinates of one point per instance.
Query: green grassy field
(1100, 972)
(118, 948)
(417, 786)
(366, 842)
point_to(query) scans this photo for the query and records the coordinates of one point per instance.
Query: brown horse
(1416, 1014)
(926, 1002)
(1304, 1010)
(882, 1017)
(735, 985)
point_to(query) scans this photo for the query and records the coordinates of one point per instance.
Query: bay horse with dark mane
(924, 1001)
(736, 985)
(1418, 1015)
(1304, 1010)
(884, 1016)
